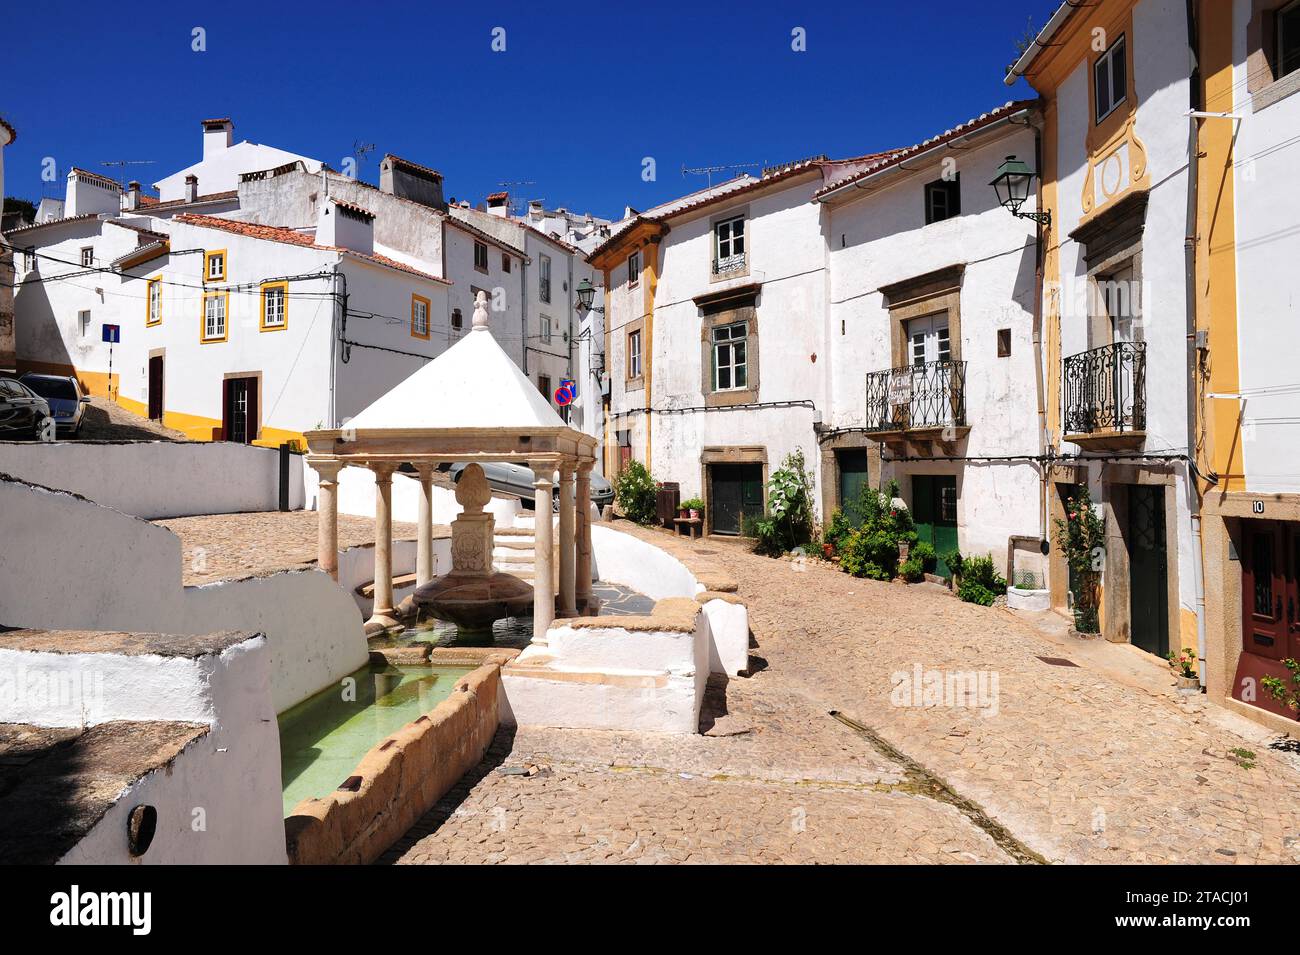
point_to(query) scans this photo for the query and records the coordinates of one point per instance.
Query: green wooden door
(737, 492)
(1148, 569)
(934, 511)
(853, 477)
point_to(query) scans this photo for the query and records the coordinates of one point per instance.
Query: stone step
(367, 589)
(515, 531)
(513, 544)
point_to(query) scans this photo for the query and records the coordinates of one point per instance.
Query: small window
(29, 260)
(544, 385)
(942, 199)
(1004, 342)
(729, 245)
(214, 316)
(481, 256)
(88, 256)
(505, 262)
(153, 295)
(633, 269)
(544, 278)
(214, 266)
(730, 369)
(275, 306)
(456, 320)
(83, 319)
(546, 329)
(1110, 79)
(634, 354)
(1288, 39)
(419, 316)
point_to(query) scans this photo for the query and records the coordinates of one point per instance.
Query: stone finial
(480, 314)
(472, 491)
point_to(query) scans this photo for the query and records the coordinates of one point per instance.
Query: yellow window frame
(428, 317)
(149, 320)
(262, 326)
(208, 256)
(203, 319)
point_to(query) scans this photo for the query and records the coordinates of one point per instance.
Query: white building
(7, 136)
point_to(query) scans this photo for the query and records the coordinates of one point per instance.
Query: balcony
(1105, 397)
(730, 265)
(921, 406)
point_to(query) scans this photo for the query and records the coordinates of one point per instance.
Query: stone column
(583, 535)
(567, 607)
(327, 516)
(424, 531)
(382, 615)
(543, 574)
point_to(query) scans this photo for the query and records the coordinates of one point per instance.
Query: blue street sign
(112, 333)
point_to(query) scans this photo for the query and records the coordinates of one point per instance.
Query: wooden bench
(693, 525)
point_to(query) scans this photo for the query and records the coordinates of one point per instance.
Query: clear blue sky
(574, 103)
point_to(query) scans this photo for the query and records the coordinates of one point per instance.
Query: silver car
(517, 481)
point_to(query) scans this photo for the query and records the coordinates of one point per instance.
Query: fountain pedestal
(472, 595)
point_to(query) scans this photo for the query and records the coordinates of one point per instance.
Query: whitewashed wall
(623, 559)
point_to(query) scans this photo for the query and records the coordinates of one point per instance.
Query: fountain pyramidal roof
(473, 384)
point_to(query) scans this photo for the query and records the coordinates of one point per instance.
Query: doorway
(1148, 569)
(239, 416)
(934, 512)
(736, 492)
(852, 464)
(156, 387)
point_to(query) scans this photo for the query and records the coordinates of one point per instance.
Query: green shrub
(912, 570)
(955, 561)
(872, 550)
(635, 490)
(789, 521)
(975, 593)
(924, 552)
(693, 504)
(979, 570)
(839, 530)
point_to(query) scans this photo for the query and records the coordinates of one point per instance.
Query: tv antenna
(360, 150)
(710, 170)
(508, 184)
(122, 163)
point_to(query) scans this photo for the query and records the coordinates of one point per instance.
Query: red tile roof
(210, 197)
(96, 177)
(497, 196)
(41, 225)
(399, 161)
(272, 233)
(148, 200)
(214, 122)
(353, 206)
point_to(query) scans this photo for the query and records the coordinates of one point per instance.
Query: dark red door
(239, 419)
(156, 387)
(1270, 612)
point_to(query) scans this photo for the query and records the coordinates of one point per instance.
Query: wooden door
(156, 387)
(736, 493)
(1148, 569)
(934, 512)
(240, 411)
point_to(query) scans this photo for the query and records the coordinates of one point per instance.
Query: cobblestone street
(1098, 762)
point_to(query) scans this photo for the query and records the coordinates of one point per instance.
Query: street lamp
(1012, 184)
(586, 295)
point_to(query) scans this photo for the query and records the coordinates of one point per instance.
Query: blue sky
(574, 103)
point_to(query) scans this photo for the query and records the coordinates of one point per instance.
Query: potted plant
(694, 506)
(1081, 537)
(1183, 662)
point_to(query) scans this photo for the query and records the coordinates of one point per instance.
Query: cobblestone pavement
(226, 546)
(1063, 764)
(105, 420)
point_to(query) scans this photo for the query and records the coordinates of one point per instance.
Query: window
(456, 320)
(729, 369)
(29, 260)
(153, 295)
(480, 256)
(729, 245)
(544, 385)
(634, 354)
(1004, 342)
(633, 269)
(275, 306)
(1110, 79)
(942, 199)
(505, 262)
(419, 316)
(83, 319)
(214, 316)
(88, 256)
(928, 339)
(544, 278)
(214, 266)
(546, 329)
(1288, 39)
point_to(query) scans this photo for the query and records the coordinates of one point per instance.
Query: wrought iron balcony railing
(930, 395)
(729, 264)
(1105, 389)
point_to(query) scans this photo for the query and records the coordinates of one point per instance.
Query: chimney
(345, 226)
(408, 180)
(498, 204)
(218, 134)
(89, 192)
(191, 188)
(133, 195)
(535, 210)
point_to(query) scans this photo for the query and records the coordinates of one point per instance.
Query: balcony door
(928, 340)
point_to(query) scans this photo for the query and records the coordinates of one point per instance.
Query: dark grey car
(23, 412)
(517, 481)
(64, 396)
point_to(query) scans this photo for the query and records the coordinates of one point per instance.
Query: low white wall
(623, 559)
(159, 479)
(728, 637)
(72, 564)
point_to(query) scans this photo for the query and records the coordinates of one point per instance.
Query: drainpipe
(523, 307)
(1189, 257)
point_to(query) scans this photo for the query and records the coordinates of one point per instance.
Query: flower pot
(1187, 684)
(683, 512)
(828, 551)
(694, 514)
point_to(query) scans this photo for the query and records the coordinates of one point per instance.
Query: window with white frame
(1110, 79)
(83, 319)
(214, 316)
(275, 312)
(88, 256)
(29, 260)
(546, 329)
(633, 269)
(214, 266)
(729, 245)
(419, 316)
(634, 354)
(729, 363)
(481, 256)
(544, 278)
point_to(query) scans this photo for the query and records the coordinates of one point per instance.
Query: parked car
(517, 481)
(23, 412)
(64, 396)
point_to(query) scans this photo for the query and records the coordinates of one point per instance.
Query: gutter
(1057, 20)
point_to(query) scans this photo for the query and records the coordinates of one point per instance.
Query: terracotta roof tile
(96, 177)
(399, 161)
(210, 197)
(497, 196)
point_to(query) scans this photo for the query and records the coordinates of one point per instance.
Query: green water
(324, 737)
